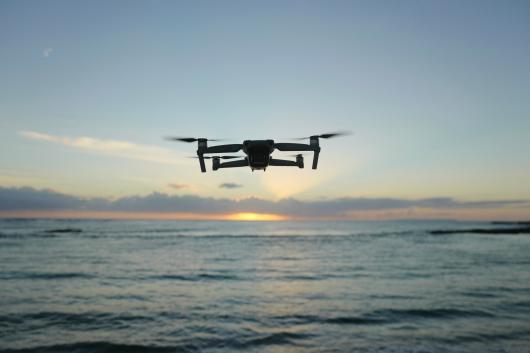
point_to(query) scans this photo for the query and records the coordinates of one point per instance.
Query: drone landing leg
(315, 158)
(201, 162)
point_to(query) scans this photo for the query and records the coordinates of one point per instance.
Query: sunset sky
(436, 92)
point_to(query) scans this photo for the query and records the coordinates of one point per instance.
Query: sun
(251, 216)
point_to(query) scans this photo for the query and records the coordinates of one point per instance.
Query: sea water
(171, 286)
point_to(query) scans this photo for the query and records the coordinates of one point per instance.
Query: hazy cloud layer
(230, 186)
(115, 148)
(29, 199)
(46, 52)
(178, 186)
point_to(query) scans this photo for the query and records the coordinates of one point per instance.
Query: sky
(437, 94)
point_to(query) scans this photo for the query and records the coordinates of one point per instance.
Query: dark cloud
(230, 186)
(178, 186)
(17, 199)
(29, 199)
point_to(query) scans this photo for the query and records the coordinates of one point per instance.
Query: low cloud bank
(177, 186)
(230, 186)
(30, 199)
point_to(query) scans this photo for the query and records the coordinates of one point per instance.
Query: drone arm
(293, 147)
(201, 162)
(282, 163)
(223, 148)
(234, 164)
(315, 157)
(313, 146)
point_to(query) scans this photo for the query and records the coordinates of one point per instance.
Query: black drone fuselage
(258, 154)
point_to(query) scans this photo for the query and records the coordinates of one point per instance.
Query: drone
(257, 152)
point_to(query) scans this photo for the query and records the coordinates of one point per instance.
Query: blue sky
(437, 93)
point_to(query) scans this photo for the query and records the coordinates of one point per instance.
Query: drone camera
(300, 161)
(216, 163)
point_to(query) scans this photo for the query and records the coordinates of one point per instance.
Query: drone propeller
(327, 135)
(296, 155)
(220, 157)
(189, 139)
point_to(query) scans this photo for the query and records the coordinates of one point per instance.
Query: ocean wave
(248, 341)
(72, 320)
(46, 233)
(524, 304)
(23, 235)
(231, 277)
(440, 313)
(352, 320)
(277, 338)
(318, 319)
(488, 337)
(514, 290)
(194, 277)
(305, 277)
(84, 320)
(380, 316)
(477, 294)
(45, 275)
(101, 347)
(175, 230)
(64, 230)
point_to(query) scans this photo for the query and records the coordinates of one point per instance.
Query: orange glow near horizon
(242, 216)
(250, 216)
(506, 214)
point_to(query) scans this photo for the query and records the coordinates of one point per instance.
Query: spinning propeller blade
(327, 135)
(221, 157)
(189, 139)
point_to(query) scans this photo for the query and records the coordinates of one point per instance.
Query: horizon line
(234, 217)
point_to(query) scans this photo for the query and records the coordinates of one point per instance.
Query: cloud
(230, 186)
(25, 198)
(29, 199)
(46, 52)
(178, 186)
(114, 148)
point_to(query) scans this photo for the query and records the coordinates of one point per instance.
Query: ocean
(173, 286)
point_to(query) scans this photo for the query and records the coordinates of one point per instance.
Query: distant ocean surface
(171, 286)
